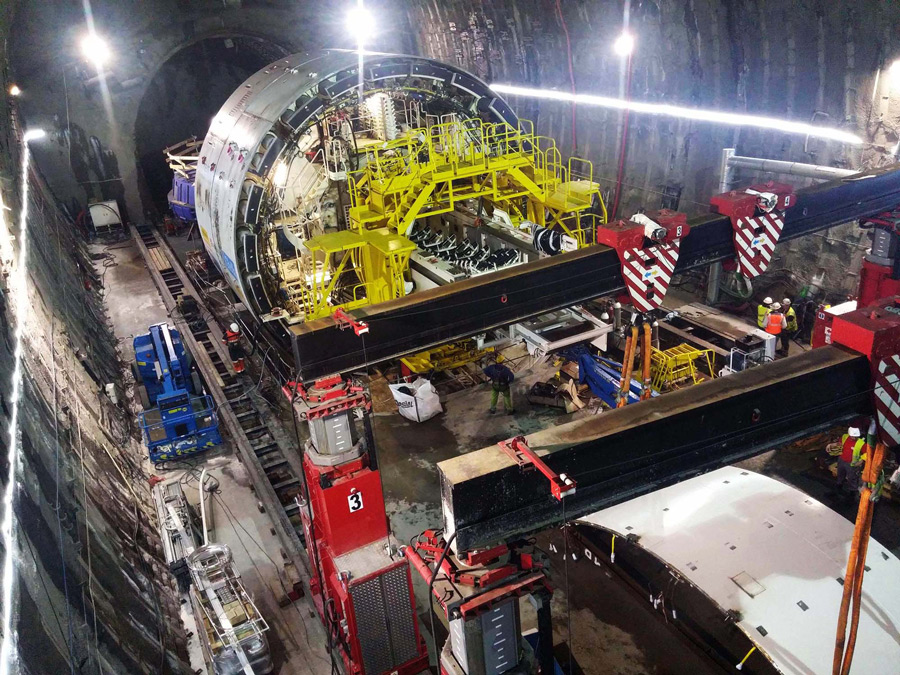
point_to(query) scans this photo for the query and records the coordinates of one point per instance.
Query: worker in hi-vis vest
(851, 453)
(774, 320)
(791, 326)
(761, 312)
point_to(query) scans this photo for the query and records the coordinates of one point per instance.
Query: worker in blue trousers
(501, 379)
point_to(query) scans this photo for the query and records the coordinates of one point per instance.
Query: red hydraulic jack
(479, 592)
(648, 246)
(361, 590)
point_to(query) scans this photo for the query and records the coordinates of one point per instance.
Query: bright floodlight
(95, 49)
(360, 24)
(714, 116)
(14, 90)
(624, 44)
(34, 135)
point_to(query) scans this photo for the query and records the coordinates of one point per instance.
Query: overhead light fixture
(95, 49)
(360, 24)
(624, 44)
(714, 116)
(14, 90)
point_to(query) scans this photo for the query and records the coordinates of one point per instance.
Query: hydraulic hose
(437, 569)
(645, 356)
(628, 367)
(856, 565)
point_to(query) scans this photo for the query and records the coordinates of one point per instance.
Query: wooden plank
(160, 260)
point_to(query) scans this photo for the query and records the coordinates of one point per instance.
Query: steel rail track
(274, 470)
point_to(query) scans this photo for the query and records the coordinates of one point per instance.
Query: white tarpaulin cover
(422, 404)
(774, 555)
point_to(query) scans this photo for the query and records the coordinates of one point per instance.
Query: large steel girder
(623, 453)
(472, 306)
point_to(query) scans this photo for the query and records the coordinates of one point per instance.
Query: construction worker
(790, 327)
(762, 310)
(853, 452)
(501, 379)
(774, 321)
(235, 350)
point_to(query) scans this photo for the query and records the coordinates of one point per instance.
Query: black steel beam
(469, 307)
(623, 453)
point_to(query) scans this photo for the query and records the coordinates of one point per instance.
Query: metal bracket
(344, 320)
(757, 219)
(517, 448)
(648, 247)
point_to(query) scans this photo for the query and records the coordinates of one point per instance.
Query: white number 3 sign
(355, 501)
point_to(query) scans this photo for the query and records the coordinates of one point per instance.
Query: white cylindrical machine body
(264, 119)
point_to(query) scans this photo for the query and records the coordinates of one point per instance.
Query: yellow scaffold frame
(678, 364)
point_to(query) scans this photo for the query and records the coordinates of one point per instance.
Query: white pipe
(791, 168)
(203, 506)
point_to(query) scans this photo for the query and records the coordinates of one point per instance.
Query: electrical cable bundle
(546, 240)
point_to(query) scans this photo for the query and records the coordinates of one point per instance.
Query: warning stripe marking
(887, 399)
(755, 248)
(647, 273)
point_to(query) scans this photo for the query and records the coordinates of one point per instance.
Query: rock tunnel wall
(93, 594)
(815, 59)
(801, 59)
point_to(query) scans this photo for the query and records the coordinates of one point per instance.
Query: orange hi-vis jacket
(774, 322)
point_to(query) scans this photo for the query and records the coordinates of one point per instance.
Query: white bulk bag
(422, 405)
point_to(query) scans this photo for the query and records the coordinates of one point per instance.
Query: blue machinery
(178, 419)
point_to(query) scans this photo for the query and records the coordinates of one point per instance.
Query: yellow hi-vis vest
(761, 311)
(791, 317)
(855, 456)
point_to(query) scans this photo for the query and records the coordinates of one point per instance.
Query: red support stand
(757, 217)
(648, 247)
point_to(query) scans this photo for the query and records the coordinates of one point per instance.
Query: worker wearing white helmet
(853, 453)
(790, 325)
(232, 339)
(762, 310)
(774, 321)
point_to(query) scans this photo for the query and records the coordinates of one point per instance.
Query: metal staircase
(430, 171)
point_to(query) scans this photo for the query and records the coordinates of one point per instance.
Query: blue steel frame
(181, 424)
